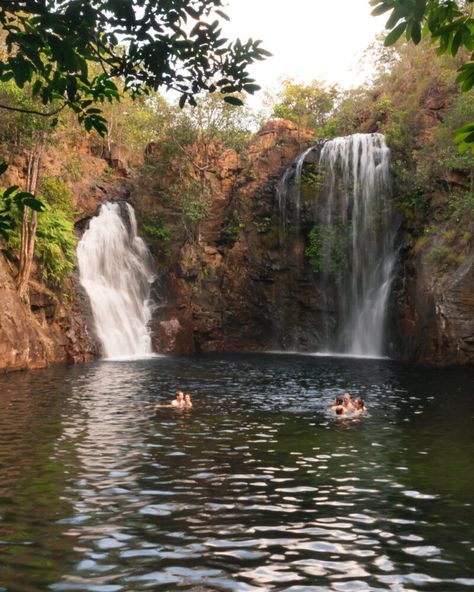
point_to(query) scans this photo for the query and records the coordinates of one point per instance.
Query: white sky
(309, 39)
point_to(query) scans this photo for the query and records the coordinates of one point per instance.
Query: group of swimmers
(181, 401)
(344, 406)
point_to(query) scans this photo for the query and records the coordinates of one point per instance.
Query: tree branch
(32, 111)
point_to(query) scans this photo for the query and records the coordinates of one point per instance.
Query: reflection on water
(258, 487)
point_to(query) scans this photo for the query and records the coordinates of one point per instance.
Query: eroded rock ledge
(233, 288)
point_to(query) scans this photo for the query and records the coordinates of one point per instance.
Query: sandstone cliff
(254, 290)
(237, 284)
(217, 290)
(53, 326)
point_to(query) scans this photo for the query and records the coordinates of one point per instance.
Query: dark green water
(257, 488)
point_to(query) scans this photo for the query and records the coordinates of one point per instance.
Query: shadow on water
(258, 487)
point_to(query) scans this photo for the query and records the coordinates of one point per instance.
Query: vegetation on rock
(449, 24)
(307, 105)
(203, 183)
(327, 249)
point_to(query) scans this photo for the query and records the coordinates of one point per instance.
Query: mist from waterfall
(116, 272)
(353, 237)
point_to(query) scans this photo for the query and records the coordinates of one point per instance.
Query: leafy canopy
(71, 53)
(308, 105)
(449, 23)
(73, 50)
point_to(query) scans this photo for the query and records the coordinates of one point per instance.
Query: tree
(189, 144)
(148, 44)
(449, 23)
(307, 105)
(72, 52)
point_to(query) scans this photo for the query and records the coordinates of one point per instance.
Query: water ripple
(258, 488)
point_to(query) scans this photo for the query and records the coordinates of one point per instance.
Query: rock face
(41, 333)
(432, 320)
(239, 287)
(49, 329)
(235, 285)
(219, 289)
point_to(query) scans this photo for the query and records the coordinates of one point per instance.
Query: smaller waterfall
(283, 194)
(115, 270)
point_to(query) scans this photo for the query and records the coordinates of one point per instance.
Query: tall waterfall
(115, 270)
(349, 225)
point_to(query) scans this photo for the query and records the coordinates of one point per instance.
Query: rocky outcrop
(23, 342)
(432, 314)
(218, 286)
(237, 284)
(50, 328)
(240, 287)
(42, 331)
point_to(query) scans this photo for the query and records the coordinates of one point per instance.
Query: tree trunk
(29, 224)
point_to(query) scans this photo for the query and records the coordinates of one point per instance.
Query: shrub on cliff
(55, 241)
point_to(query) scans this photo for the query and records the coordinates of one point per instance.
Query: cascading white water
(115, 270)
(354, 238)
(357, 195)
(282, 191)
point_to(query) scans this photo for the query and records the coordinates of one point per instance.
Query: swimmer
(346, 402)
(359, 406)
(340, 410)
(337, 403)
(187, 401)
(179, 401)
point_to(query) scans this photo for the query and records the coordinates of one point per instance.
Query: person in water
(346, 402)
(187, 401)
(178, 402)
(359, 406)
(337, 403)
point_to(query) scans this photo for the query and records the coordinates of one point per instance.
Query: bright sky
(309, 39)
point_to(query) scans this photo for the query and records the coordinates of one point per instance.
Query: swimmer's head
(359, 404)
(338, 401)
(187, 398)
(179, 395)
(346, 398)
(339, 411)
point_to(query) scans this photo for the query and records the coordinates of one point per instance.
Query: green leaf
(233, 101)
(4, 228)
(222, 15)
(416, 32)
(36, 88)
(33, 203)
(251, 88)
(378, 10)
(466, 128)
(8, 192)
(22, 71)
(465, 72)
(456, 44)
(396, 15)
(395, 35)
(420, 6)
(468, 83)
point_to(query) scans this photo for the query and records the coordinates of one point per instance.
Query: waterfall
(349, 224)
(115, 270)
